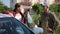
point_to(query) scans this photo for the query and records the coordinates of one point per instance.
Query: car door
(10, 25)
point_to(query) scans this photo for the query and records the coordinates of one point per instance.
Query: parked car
(10, 25)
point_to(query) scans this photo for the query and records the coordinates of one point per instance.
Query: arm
(57, 21)
(5, 12)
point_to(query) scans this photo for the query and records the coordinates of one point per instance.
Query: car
(10, 25)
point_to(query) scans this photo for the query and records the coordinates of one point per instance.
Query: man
(49, 21)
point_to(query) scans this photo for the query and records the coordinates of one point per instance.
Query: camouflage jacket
(49, 20)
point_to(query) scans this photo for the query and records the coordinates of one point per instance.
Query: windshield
(7, 26)
(13, 26)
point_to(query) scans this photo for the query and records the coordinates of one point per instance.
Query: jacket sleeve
(57, 21)
(5, 12)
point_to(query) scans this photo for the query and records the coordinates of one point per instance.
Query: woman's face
(19, 9)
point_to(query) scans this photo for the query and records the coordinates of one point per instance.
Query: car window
(4, 26)
(11, 25)
(8, 27)
(19, 30)
(26, 29)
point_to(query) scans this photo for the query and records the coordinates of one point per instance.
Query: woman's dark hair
(16, 6)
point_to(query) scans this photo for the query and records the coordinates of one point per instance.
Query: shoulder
(53, 13)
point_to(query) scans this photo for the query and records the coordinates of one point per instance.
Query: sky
(6, 2)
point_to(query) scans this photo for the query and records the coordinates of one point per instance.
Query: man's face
(45, 9)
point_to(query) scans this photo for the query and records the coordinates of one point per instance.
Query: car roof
(4, 15)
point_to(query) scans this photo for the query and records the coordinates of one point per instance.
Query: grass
(57, 31)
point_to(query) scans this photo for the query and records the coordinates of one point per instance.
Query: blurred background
(34, 7)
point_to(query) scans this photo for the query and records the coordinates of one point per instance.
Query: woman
(17, 13)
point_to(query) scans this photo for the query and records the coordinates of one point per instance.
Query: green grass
(57, 31)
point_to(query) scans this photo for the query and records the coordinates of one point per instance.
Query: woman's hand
(11, 14)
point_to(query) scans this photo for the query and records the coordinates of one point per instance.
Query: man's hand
(49, 29)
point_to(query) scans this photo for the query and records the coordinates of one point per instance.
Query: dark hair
(45, 6)
(16, 6)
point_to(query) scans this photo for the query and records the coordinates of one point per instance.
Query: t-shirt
(18, 17)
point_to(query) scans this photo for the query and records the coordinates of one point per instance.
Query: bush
(57, 31)
(35, 18)
(55, 8)
(37, 8)
(2, 7)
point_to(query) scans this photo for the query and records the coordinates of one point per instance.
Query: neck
(17, 11)
(46, 11)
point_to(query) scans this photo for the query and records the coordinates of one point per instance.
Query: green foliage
(37, 8)
(35, 18)
(57, 31)
(1, 3)
(55, 8)
(2, 7)
(7, 8)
